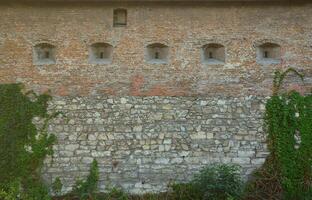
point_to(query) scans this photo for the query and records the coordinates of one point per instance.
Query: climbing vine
(287, 173)
(23, 146)
(289, 123)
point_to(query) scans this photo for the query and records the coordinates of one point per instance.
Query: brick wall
(72, 28)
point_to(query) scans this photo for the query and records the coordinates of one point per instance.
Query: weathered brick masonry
(148, 123)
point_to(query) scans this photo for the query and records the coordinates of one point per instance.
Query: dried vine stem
(279, 77)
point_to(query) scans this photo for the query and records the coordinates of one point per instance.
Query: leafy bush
(22, 146)
(87, 189)
(12, 191)
(219, 182)
(185, 191)
(215, 182)
(35, 190)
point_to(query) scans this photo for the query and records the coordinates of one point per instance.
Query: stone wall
(143, 143)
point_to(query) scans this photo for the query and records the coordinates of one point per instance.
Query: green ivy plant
(23, 146)
(287, 173)
(289, 123)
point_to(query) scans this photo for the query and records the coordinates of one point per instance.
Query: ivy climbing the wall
(23, 146)
(287, 173)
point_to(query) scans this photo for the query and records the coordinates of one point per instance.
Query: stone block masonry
(144, 143)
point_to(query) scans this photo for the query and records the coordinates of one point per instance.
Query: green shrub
(35, 190)
(215, 182)
(185, 191)
(12, 191)
(218, 182)
(87, 189)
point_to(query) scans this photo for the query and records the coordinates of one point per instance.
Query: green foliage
(289, 123)
(7, 195)
(116, 194)
(12, 191)
(159, 196)
(22, 146)
(218, 182)
(287, 172)
(185, 191)
(57, 186)
(87, 189)
(215, 182)
(34, 189)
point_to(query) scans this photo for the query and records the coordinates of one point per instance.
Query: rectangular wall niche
(213, 54)
(44, 54)
(269, 53)
(157, 53)
(101, 53)
(120, 17)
